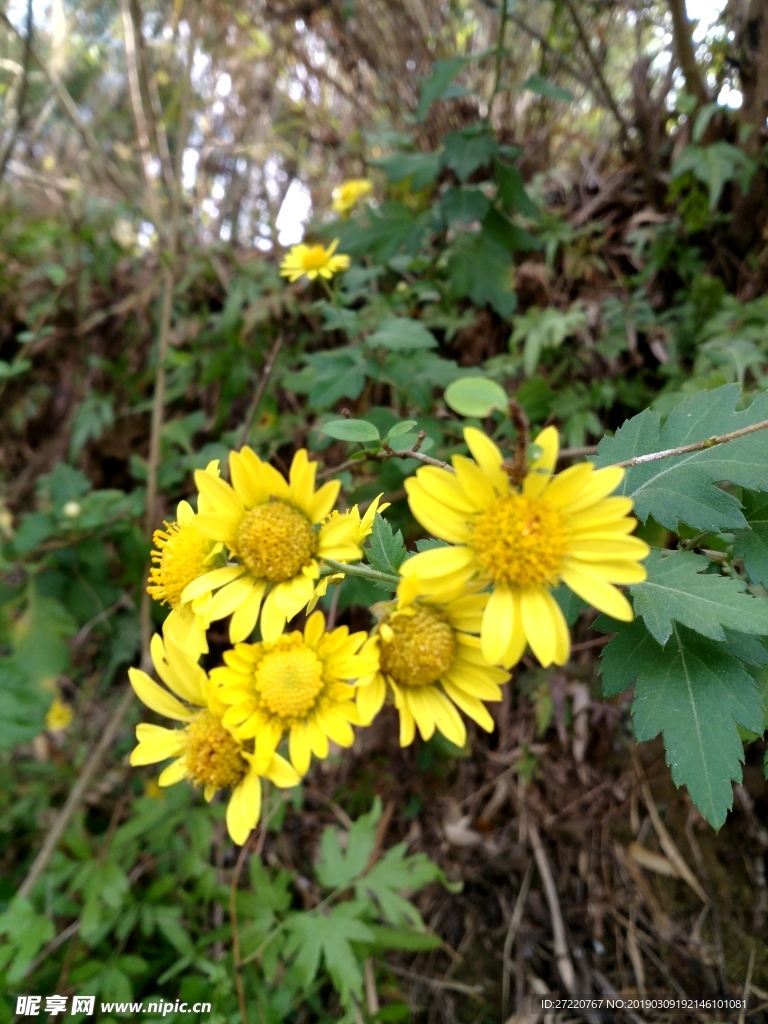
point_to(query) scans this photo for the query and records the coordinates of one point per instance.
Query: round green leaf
(475, 396)
(351, 430)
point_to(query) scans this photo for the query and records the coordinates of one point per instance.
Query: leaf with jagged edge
(683, 488)
(752, 544)
(678, 590)
(694, 692)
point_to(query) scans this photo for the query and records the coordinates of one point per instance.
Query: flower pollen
(212, 754)
(276, 541)
(289, 678)
(520, 540)
(417, 648)
(181, 555)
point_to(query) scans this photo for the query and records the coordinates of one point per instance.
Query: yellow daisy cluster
(263, 548)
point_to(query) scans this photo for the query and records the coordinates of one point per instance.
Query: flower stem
(365, 572)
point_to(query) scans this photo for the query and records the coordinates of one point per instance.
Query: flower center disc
(276, 541)
(520, 540)
(181, 558)
(315, 257)
(421, 648)
(289, 681)
(212, 754)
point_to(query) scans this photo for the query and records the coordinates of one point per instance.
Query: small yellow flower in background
(59, 716)
(183, 554)
(349, 193)
(523, 541)
(432, 663)
(205, 752)
(299, 684)
(269, 525)
(313, 261)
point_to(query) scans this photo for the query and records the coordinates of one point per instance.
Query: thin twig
(514, 924)
(18, 116)
(253, 408)
(697, 446)
(562, 955)
(387, 453)
(598, 72)
(140, 121)
(519, 467)
(235, 930)
(578, 453)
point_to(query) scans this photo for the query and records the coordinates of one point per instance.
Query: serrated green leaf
(421, 168)
(478, 268)
(469, 149)
(624, 654)
(696, 694)
(329, 934)
(337, 868)
(396, 872)
(511, 190)
(752, 544)
(463, 205)
(401, 334)
(433, 88)
(475, 396)
(386, 550)
(678, 590)
(684, 488)
(351, 430)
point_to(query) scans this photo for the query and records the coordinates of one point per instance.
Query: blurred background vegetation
(568, 197)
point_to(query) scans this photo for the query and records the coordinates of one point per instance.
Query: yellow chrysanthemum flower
(205, 752)
(301, 685)
(363, 527)
(522, 541)
(183, 554)
(269, 525)
(313, 261)
(349, 193)
(432, 663)
(58, 716)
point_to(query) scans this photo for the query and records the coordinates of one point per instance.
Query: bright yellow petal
(174, 773)
(598, 593)
(540, 471)
(244, 808)
(441, 520)
(602, 482)
(243, 621)
(567, 486)
(156, 698)
(438, 562)
(488, 457)
(156, 744)
(321, 503)
(443, 487)
(498, 624)
(282, 773)
(471, 706)
(299, 748)
(273, 619)
(370, 698)
(539, 624)
(230, 597)
(475, 485)
(212, 581)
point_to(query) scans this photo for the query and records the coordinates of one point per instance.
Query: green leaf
(469, 149)
(386, 551)
(511, 190)
(337, 869)
(390, 229)
(478, 269)
(500, 229)
(433, 88)
(684, 488)
(401, 428)
(24, 705)
(395, 872)
(752, 544)
(401, 938)
(714, 166)
(696, 694)
(417, 374)
(421, 168)
(8, 369)
(329, 935)
(539, 85)
(475, 396)
(621, 659)
(463, 205)
(93, 417)
(401, 334)
(677, 590)
(350, 430)
(541, 329)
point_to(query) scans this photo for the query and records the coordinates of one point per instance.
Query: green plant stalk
(365, 572)
(499, 54)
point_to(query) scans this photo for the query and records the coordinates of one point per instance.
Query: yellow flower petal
(156, 698)
(597, 592)
(244, 808)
